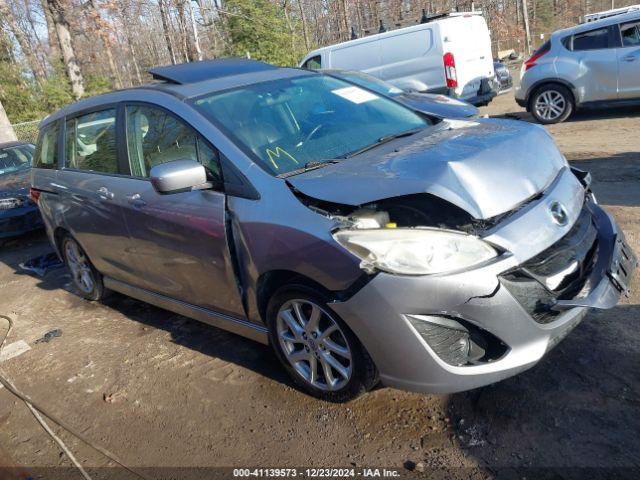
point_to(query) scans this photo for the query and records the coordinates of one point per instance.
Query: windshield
(15, 158)
(368, 81)
(289, 123)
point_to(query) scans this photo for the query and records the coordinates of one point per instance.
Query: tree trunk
(58, 15)
(527, 32)
(303, 18)
(185, 42)
(39, 48)
(25, 46)
(196, 40)
(54, 44)
(165, 28)
(102, 31)
(6, 130)
(347, 23)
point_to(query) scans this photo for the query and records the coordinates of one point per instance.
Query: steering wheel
(311, 134)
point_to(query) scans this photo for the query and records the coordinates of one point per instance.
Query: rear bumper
(485, 94)
(380, 315)
(18, 221)
(488, 91)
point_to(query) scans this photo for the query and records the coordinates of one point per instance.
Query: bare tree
(59, 18)
(34, 65)
(164, 14)
(527, 32)
(194, 31)
(54, 44)
(102, 29)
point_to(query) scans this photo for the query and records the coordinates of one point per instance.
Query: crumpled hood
(485, 166)
(15, 183)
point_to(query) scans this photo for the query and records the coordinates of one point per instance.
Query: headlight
(414, 251)
(9, 203)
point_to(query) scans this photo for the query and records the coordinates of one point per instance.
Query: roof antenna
(354, 35)
(382, 27)
(425, 18)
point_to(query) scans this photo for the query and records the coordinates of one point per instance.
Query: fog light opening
(457, 341)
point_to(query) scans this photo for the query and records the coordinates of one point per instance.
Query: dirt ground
(160, 390)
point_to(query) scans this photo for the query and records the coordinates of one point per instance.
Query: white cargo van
(450, 55)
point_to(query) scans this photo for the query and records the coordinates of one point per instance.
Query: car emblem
(558, 214)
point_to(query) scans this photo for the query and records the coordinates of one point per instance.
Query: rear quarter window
(591, 40)
(47, 150)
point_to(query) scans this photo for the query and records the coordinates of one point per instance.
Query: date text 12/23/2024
(316, 472)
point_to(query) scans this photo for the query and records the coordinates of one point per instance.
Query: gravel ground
(160, 390)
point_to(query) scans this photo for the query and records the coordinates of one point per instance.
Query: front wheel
(84, 275)
(318, 350)
(551, 104)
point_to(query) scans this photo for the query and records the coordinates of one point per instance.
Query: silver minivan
(593, 65)
(363, 241)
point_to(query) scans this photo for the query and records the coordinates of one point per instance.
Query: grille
(560, 272)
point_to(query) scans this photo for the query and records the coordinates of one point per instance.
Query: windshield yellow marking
(277, 154)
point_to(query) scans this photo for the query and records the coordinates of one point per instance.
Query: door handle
(136, 200)
(630, 58)
(105, 193)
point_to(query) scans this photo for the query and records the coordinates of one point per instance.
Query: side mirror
(178, 176)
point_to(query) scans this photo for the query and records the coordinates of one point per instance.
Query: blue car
(431, 104)
(18, 214)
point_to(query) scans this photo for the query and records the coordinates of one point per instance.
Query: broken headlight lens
(414, 251)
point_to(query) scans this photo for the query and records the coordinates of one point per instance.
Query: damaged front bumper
(411, 325)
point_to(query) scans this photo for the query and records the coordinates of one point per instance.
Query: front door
(180, 238)
(629, 61)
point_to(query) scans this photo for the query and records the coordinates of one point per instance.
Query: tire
(347, 374)
(85, 277)
(551, 104)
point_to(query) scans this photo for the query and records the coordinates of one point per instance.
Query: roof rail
(592, 17)
(193, 72)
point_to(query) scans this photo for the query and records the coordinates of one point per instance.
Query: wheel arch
(270, 282)
(58, 235)
(551, 81)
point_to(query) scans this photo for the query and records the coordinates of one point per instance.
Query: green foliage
(24, 99)
(260, 28)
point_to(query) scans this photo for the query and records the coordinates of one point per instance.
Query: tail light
(34, 194)
(450, 70)
(532, 61)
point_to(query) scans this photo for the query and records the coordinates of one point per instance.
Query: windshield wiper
(383, 140)
(309, 166)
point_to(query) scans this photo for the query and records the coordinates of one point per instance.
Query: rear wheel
(551, 104)
(84, 275)
(318, 350)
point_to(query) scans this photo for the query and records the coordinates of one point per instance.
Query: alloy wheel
(79, 266)
(550, 105)
(314, 345)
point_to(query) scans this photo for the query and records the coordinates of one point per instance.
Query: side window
(314, 63)
(592, 40)
(47, 151)
(630, 34)
(91, 142)
(155, 137)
